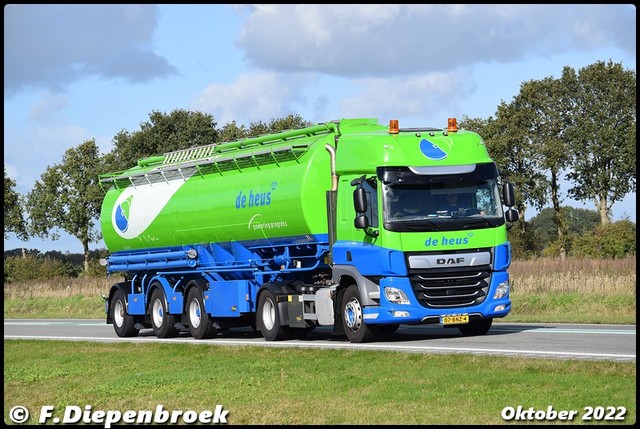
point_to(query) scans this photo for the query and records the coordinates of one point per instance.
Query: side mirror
(511, 215)
(360, 200)
(508, 194)
(361, 222)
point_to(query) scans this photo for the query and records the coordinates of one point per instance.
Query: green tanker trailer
(349, 224)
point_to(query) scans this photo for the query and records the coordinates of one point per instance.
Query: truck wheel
(480, 327)
(200, 324)
(268, 319)
(123, 323)
(354, 326)
(163, 323)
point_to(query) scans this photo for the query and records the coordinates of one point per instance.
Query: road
(535, 340)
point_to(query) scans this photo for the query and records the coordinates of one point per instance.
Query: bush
(32, 267)
(615, 240)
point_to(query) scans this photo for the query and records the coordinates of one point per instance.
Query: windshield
(451, 198)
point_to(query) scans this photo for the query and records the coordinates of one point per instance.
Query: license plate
(454, 319)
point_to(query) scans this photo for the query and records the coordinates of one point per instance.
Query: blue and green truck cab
(350, 224)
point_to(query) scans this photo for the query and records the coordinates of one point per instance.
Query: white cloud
(253, 97)
(391, 40)
(51, 46)
(40, 148)
(419, 97)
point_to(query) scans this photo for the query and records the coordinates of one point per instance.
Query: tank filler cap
(192, 254)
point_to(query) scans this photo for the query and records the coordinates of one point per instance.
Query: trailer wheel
(268, 318)
(200, 324)
(163, 323)
(352, 318)
(123, 323)
(480, 327)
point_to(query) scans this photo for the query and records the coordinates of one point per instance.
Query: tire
(162, 323)
(268, 318)
(200, 324)
(480, 327)
(123, 323)
(355, 328)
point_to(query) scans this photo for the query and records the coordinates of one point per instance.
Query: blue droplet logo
(122, 215)
(431, 151)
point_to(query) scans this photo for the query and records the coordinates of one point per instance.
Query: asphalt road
(535, 340)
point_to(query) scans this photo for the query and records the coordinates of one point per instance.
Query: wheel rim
(353, 314)
(118, 313)
(268, 315)
(195, 313)
(157, 313)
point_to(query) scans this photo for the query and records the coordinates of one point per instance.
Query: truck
(345, 224)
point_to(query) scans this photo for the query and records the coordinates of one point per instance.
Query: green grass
(262, 385)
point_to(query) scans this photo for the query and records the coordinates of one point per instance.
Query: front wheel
(268, 318)
(163, 323)
(480, 327)
(200, 324)
(123, 323)
(352, 318)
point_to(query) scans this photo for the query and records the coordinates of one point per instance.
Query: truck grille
(457, 287)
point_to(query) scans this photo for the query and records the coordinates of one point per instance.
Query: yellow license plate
(454, 320)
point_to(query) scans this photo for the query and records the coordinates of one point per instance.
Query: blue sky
(79, 72)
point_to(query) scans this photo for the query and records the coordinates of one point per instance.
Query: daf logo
(449, 261)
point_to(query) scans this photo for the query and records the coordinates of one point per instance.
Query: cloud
(51, 46)
(416, 97)
(40, 148)
(392, 40)
(253, 97)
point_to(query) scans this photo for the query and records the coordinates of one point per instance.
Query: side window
(370, 186)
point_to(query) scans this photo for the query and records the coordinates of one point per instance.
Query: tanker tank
(253, 191)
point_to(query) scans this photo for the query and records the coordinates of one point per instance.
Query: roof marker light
(452, 125)
(393, 126)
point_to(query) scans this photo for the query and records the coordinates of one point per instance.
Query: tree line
(582, 124)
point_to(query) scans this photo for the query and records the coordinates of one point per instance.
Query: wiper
(423, 224)
(473, 222)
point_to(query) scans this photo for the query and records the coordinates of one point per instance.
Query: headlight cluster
(395, 295)
(502, 290)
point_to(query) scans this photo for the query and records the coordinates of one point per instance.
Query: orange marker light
(393, 126)
(452, 125)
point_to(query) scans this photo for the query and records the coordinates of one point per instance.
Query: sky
(78, 72)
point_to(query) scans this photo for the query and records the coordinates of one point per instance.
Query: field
(303, 386)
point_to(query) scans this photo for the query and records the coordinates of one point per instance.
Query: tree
(579, 221)
(277, 125)
(231, 132)
(13, 219)
(548, 106)
(68, 197)
(289, 122)
(603, 138)
(506, 141)
(163, 133)
(613, 240)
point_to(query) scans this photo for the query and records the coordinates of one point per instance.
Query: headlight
(502, 290)
(395, 295)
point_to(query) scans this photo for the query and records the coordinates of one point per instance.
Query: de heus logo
(444, 241)
(254, 198)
